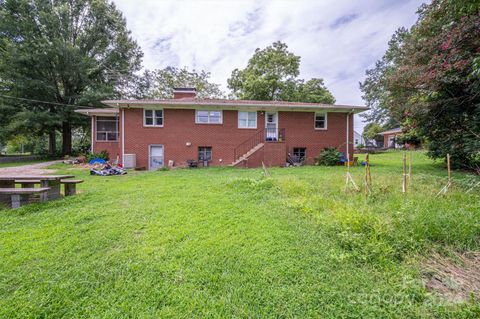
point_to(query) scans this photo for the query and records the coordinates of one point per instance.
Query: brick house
(218, 132)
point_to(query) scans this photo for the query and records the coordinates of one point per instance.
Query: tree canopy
(69, 52)
(315, 91)
(272, 74)
(429, 81)
(159, 84)
(372, 131)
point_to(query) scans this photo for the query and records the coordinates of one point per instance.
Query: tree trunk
(66, 138)
(52, 142)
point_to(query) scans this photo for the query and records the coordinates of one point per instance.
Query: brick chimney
(182, 93)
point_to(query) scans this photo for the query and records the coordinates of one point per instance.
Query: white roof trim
(99, 112)
(235, 106)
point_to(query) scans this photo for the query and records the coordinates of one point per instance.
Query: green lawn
(223, 242)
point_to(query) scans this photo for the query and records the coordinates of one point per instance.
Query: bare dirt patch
(30, 169)
(454, 278)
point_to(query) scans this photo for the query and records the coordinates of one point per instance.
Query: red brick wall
(300, 132)
(274, 154)
(182, 95)
(180, 128)
(271, 154)
(254, 160)
(112, 148)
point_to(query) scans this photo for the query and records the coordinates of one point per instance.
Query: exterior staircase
(256, 142)
(247, 154)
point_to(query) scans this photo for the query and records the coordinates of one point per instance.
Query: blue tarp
(97, 161)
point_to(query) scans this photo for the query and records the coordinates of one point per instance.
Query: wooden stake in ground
(404, 180)
(369, 173)
(449, 182)
(368, 176)
(410, 170)
(349, 179)
(265, 172)
(449, 170)
(347, 143)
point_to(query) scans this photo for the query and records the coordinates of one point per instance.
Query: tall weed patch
(387, 226)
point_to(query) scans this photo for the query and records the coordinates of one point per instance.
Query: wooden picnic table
(50, 181)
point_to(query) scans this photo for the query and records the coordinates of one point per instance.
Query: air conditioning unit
(129, 160)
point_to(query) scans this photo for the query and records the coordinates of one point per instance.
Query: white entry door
(155, 157)
(271, 126)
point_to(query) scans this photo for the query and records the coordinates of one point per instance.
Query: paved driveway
(30, 169)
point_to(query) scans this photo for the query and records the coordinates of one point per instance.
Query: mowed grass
(221, 242)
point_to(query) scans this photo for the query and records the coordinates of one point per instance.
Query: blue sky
(336, 39)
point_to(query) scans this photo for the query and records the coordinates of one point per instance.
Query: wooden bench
(70, 186)
(20, 196)
(30, 183)
(27, 183)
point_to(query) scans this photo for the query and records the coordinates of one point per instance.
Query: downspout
(348, 134)
(92, 133)
(123, 136)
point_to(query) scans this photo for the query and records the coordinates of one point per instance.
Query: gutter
(123, 136)
(348, 133)
(92, 133)
(236, 106)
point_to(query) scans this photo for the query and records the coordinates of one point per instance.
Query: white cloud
(336, 39)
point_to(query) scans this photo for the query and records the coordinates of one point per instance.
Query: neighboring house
(390, 137)
(358, 139)
(218, 132)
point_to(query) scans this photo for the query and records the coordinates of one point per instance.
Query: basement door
(155, 157)
(271, 126)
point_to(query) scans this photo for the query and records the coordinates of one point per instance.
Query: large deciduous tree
(165, 80)
(272, 74)
(375, 87)
(432, 85)
(314, 91)
(372, 131)
(159, 84)
(70, 52)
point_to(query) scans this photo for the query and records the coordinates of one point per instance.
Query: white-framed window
(300, 153)
(204, 153)
(320, 120)
(152, 117)
(107, 128)
(208, 117)
(247, 119)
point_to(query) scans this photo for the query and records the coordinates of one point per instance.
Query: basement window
(204, 153)
(320, 121)
(153, 118)
(208, 117)
(107, 128)
(300, 153)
